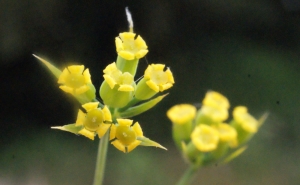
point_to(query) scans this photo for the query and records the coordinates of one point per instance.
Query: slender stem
(101, 159)
(187, 176)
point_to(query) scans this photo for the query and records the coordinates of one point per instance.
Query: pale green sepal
(56, 72)
(148, 142)
(234, 154)
(69, 128)
(263, 118)
(139, 109)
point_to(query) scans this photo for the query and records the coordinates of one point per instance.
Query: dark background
(246, 50)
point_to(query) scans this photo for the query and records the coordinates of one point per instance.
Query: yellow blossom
(155, 80)
(130, 47)
(215, 99)
(209, 115)
(183, 113)
(205, 138)
(245, 120)
(75, 80)
(158, 79)
(96, 120)
(113, 76)
(226, 132)
(125, 135)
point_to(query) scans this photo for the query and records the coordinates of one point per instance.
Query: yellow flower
(113, 76)
(125, 135)
(183, 113)
(215, 99)
(130, 47)
(226, 132)
(245, 120)
(155, 80)
(158, 79)
(96, 120)
(208, 115)
(205, 138)
(74, 80)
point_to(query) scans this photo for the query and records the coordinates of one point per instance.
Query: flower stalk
(101, 160)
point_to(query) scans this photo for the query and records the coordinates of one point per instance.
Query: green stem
(101, 159)
(187, 176)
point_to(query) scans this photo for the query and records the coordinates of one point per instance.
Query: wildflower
(205, 138)
(226, 132)
(96, 120)
(244, 119)
(125, 135)
(211, 115)
(215, 99)
(75, 80)
(129, 47)
(227, 137)
(155, 80)
(113, 76)
(183, 113)
(245, 124)
(182, 118)
(117, 89)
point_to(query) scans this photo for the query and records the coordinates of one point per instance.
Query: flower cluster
(121, 95)
(204, 136)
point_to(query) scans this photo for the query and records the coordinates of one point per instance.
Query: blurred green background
(246, 50)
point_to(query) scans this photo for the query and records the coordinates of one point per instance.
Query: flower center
(93, 119)
(75, 80)
(125, 135)
(159, 77)
(129, 45)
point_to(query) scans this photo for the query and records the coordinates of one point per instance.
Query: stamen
(129, 19)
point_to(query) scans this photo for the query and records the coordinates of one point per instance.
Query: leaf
(69, 128)
(139, 109)
(54, 70)
(234, 154)
(148, 142)
(263, 118)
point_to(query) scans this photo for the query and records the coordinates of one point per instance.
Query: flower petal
(137, 129)
(63, 76)
(133, 145)
(76, 69)
(112, 133)
(90, 106)
(102, 129)
(67, 89)
(87, 133)
(80, 118)
(87, 76)
(106, 113)
(119, 145)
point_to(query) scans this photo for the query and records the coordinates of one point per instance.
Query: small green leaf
(139, 109)
(54, 70)
(149, 142)
(262, 119)
(234, 154)
(69, 128)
